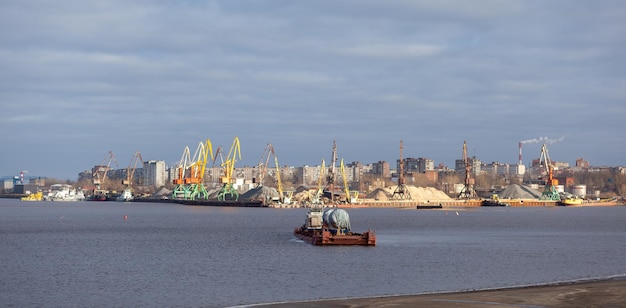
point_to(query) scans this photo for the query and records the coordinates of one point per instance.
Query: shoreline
(608, 292)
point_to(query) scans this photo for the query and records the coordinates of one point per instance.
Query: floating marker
(125, 217)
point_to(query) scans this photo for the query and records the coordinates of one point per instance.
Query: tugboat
(494, 201)
(331, 228)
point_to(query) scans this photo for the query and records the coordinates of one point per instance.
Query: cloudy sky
(81, 78)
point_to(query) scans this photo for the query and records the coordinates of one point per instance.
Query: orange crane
(132, 167)
(549, 191)
(190, 172)
(99, 174)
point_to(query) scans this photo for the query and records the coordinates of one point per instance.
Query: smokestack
(520, 154)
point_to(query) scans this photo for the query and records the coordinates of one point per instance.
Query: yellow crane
(189, 181)
(132, 167)
(284, 197)
(351, 197)
(128, 193)
(197, 169)
(99, 174)
(228, 168)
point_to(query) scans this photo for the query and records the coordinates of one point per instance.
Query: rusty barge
(332, 228)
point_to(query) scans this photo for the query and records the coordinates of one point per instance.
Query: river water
(112, 254)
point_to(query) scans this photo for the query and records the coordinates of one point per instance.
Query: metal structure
(190, 171)
(401, 192)
(467, 192)
(351, 196)
(330, 175)
(316, 198)
(262, 166)
(549, 191)
(100, 172)
(284, 196)
(181, 172)
(130, 170)
(228, 167)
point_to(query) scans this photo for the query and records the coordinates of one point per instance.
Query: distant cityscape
(149, 176)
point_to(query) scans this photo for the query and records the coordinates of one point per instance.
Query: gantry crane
(549, 191)
(467, 192)
(401, 192)
(195, 180)
(181, 170)
(189, 181)
(99, 174)
(228, 168)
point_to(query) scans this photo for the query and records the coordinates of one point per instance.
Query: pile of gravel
(517, 191)
(417, 193)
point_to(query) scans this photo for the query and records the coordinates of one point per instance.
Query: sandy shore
(597, 293)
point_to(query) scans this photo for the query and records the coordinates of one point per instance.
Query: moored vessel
(332, 228)
(571, 201)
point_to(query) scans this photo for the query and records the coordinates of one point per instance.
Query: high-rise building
(155, 173)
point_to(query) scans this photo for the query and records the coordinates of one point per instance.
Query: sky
(81, 78)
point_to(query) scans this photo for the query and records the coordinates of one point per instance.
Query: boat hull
(325, 237)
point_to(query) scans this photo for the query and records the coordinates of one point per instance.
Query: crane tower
(549, 191)
(401, 192)
(467, 192)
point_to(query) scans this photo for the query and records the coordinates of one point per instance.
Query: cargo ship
(332, 228)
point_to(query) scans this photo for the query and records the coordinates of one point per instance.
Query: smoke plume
(545, 140)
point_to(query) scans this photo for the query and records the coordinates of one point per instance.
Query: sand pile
(260, 193)
(417, 193)
(517, 191)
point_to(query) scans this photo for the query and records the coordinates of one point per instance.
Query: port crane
(401, 192)
(351, 196)
(467, 192)
(549, 191)
(130, 170)
(190, 172)
(283, 197)
(262, 166)
(330, 174)
(228, 167)
(197, 169)
(181, 172)
(99, 174)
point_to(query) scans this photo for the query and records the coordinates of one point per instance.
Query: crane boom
(549, 191)
(263, 163)
(467, 192)
(228, 167)
(401, 191)
(100, 172)
(132, 167)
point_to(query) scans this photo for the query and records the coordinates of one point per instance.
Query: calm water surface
(82, 254)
